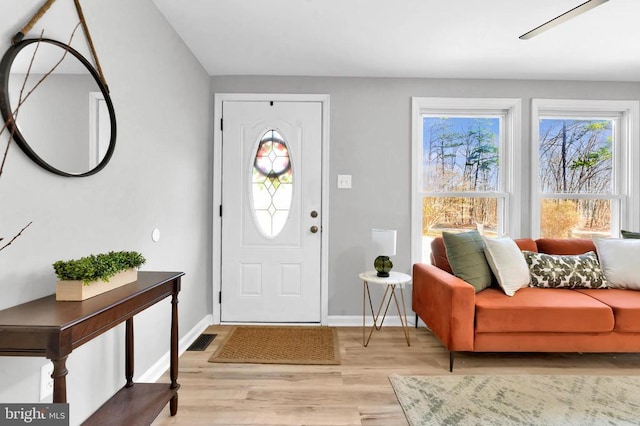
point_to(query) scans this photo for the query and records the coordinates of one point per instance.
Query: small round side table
(393, 281)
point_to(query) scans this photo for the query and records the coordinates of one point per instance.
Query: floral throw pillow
(565, 271)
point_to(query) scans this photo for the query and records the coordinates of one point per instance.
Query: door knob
(314, 213)
(314, 229)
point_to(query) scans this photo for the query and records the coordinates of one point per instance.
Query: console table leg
(173, 405)
(173, 368)
(174, 342)
(59, 376)
(128, 362)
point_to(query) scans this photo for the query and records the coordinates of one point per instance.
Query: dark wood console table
(51, 329)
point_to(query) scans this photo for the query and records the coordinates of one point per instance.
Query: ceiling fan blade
(588, 5)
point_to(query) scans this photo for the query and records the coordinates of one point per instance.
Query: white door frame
(219, 98)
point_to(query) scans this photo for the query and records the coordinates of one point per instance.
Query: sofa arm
(446, 304)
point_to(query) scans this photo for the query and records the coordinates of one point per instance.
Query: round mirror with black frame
(56, 107)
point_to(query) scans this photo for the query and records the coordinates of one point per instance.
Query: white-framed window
(464, 153)
(584, 164)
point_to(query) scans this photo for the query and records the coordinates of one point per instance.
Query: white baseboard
(356, 320)
(157, 370)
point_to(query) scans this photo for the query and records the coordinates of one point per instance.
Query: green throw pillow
(465, 252)
(629, 234)
(565, 271)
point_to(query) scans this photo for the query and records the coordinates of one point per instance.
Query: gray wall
(371, 140)
(158, 177)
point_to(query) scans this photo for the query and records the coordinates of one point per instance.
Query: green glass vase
(383, 265)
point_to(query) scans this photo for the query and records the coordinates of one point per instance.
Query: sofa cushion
(625, 305)
(565, 271)
(619, 260)
(565, 245)
(507, 263)
(465, 253)
(439, 253)
(541, 310)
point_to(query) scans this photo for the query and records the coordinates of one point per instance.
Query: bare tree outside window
(575, 157)
(461, 156)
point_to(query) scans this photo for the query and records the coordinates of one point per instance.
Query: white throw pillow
(507, 263)
(620, 261)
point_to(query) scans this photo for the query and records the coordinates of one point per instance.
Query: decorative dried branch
(15, 113)
(21, 99)
(15, 237)
(44, 77)
(6, 149)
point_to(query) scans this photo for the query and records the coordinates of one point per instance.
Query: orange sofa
(533, 320)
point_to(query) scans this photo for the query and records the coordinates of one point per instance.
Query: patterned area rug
(519, 400)
(279, 345)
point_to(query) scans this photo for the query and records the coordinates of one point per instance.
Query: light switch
(344, 181)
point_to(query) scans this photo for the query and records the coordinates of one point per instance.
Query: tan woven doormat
(279, 345)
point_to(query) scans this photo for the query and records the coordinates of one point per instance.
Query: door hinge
(220, 210)
(221, 126)
(220, 297)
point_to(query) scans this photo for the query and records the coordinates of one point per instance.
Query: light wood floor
(358, 391)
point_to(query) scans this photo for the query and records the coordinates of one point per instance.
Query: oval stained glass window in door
(272, 184)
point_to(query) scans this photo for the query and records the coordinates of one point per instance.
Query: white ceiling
(409, 38)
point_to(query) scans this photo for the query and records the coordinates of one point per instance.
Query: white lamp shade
(384, 242)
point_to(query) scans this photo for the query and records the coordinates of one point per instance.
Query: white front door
(271, 211)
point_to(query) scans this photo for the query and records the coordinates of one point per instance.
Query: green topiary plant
(98, 267)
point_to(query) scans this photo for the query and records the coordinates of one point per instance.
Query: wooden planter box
(77, 290)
